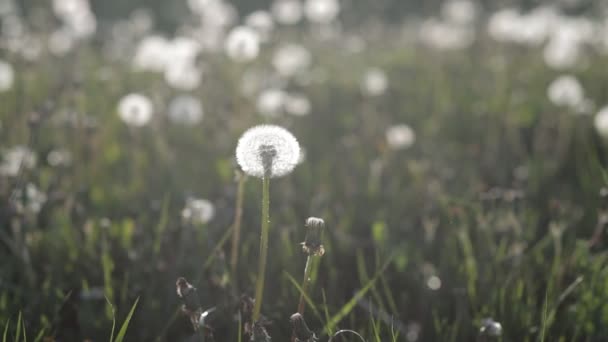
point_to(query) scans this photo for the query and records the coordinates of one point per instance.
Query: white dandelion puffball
(601, 122)
(400, 136)
(291, 59)
(375, 82)
(262, 23)
(242, 44)
(259, 140)
(135, 110)
(186, 110)
(198, 211)
(297, 104)
(566, 91)
(287, 12)
(7, 76)
(270, 102)
(322, 11)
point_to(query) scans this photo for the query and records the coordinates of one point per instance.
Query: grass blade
(123, 329)
(309, 301)
(348, 307)
(18, 331)
(5, 335)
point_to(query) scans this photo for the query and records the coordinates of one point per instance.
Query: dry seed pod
(301, 330)
(312, 243)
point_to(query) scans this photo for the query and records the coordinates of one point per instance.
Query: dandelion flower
(135, 110)
(322, 11)
(566, 91)
(601, 122)
(186, 109)
(375, 82)
(198, 211)
(287, 12)
(7, 76)
(400, 136)
(267, 149)
(270, 102)
(297, 104)
(262, 23)
(291, 59)
(242, 44)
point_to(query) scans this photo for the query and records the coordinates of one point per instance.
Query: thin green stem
(305, 283)
(236, 234)
(259, 286)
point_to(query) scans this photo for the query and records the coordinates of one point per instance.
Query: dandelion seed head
(433, 283)
(601, 122)
(270, 102)
(291, 59)
(242, 44)
(198, 211)
(186, 110)
(375, 82)
(297, 105)
(262, 23)
(135, 110)
(267, 146)
(566, 91)
(400, 136)
(322, 11)
(15, 158)
(7, 76)
(287, 12)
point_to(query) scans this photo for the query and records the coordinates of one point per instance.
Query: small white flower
(198, 211)
(400, 136)
(242, 44)
(601, 122)
(135, 110)
(267, 147)
(186, 109)
(566, 91)
(322, 11)
(375, 82)
(7, 76)
(287, 12)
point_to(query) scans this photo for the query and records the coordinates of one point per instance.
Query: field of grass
(494, 204)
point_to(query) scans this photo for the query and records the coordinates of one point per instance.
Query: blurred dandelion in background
(601, 122)
(186, 110)
(242, 44)
(270, 102)
(287, 12)
(7, 76)
(566, 91)
(285, 147)
(322, 11)
(400, 136)
(16, 158)
(291, 59)
(297, 104)
(198, 211)
(135, 110)
(375, 82)
(262, 23)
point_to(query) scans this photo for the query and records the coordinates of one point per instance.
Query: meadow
(458, 163)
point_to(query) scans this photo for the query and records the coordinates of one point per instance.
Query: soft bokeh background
(455, 149)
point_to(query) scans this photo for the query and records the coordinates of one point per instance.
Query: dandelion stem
(305, 283)
(236, 234)
(259, 286)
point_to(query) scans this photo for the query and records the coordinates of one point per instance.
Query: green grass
(112, 220)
